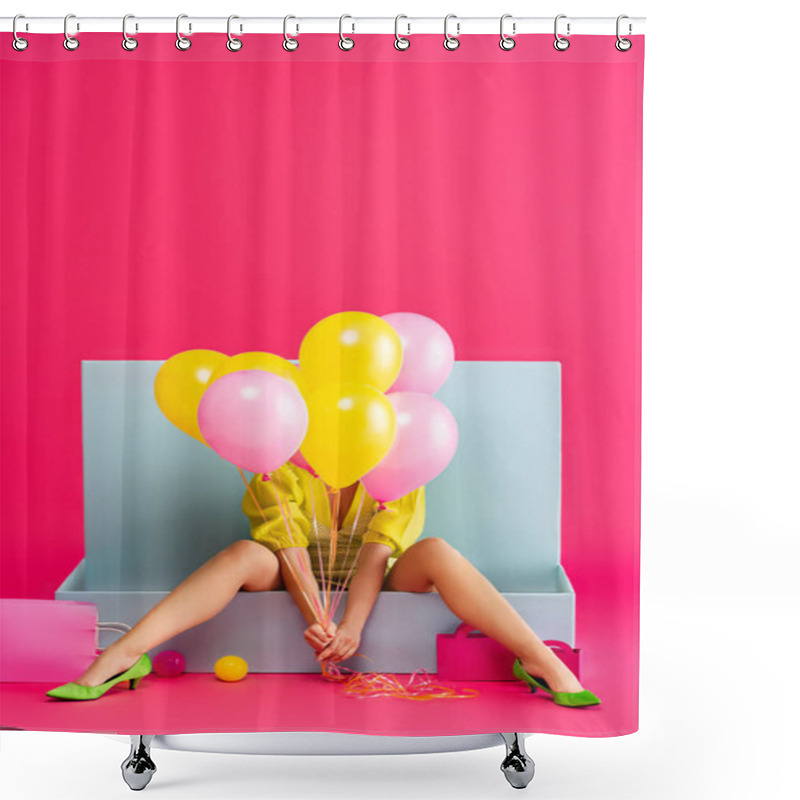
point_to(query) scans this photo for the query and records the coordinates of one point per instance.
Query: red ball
(169, 663)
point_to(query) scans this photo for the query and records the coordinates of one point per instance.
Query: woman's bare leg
(245, 564)
(432, 564)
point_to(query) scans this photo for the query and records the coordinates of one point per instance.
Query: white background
(719, 682)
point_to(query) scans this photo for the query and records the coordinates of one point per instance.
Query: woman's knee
(434, 546)
(434, 554)
(417, 568)
(245, 549)
(260, 569)
(252, 555)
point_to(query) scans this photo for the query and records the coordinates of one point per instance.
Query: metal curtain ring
(182, 42)
(345, 42)
(560, 42)
(18, 43)
(623, 45)
(128, 42)
(289, 42)
(400, 42)
(451, 42)
(70, 42)
(506, 42)
(233, 44)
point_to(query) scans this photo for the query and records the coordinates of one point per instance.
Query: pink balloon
(299, 459)
(253, 418)
(425, 441)
(428, 352)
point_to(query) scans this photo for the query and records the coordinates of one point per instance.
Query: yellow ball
(230, 668)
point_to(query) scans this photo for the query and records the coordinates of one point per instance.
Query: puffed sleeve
(273, 533)
(400, 524)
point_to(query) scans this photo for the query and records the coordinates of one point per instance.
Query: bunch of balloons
(359, 407)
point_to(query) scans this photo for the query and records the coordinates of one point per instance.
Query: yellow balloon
(180, 384)
(269, 362)
(351, 346)
(230, 668)
(351, 427)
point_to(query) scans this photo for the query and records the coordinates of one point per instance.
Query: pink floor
(200, 703)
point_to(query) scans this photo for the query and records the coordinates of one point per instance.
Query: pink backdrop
(158, 201)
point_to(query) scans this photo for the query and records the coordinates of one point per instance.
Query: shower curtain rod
(407, 26)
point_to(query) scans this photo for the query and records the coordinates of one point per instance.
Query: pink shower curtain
(156, 201)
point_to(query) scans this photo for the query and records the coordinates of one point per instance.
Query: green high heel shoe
(571, 699)
(75, 691)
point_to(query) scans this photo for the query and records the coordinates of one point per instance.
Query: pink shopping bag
(46, 641)
(468, 655)
(569, 655)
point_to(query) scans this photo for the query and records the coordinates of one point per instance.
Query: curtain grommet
(561, 44)
(182, 42)
(17, 42)
(401, 42)
(507, 42)
(451, 42)
(234, 44)
(70, 42)
(623, 45)
(129, 43)
(346, 43)
(290, 43)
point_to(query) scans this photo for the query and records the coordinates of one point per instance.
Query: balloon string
(334, 532)
(317, 608)
(313, 606)
(327, 617)
(337, 598)
(354, 564)
(375, 684)
(362, 685)
(283, 503)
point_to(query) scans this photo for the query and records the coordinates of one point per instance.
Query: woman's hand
(317, 637)
(344, 644)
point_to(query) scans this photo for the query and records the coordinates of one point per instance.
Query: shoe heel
(134, 681)
(533, 690)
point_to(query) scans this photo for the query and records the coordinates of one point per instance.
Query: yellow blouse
(399, 525)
